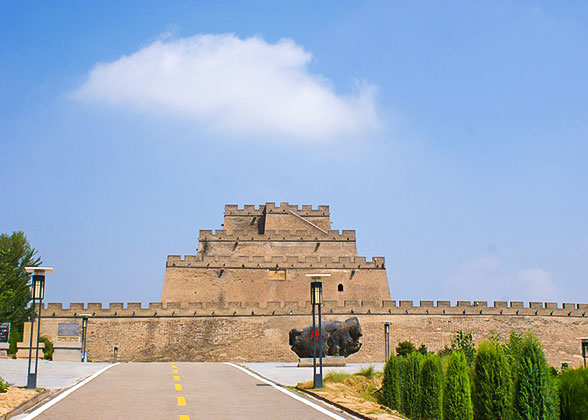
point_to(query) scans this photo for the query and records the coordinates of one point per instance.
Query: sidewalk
(51, 375)
(287, 373)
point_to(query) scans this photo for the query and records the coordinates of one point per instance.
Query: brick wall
(238, 332)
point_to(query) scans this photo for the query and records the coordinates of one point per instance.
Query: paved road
(180, 391)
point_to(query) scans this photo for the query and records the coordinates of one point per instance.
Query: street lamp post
(584, 349)
(84, 332)
(38, 293)
(387, 340)
(316, 299)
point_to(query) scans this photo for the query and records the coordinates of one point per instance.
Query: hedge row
(501, 382)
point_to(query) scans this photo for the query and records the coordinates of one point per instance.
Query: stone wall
(252, 332)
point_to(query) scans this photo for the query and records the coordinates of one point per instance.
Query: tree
(573, 394)
(491, 383)
(457, 398)
(431, 388)
(15, 293)
(533, 390)
(404, 348)
(411, 385)
(391, 383)
(464, 343)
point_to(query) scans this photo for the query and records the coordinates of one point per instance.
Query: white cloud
(486, 278)
(244, 87)
(538, 284)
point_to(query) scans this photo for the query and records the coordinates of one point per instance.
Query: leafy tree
(404, 348)
(431, 388)
(15, 254)
(48, 350)
(423, 350)
(391, 383)
(464, 343)
(573, 394)
(457, 398)
(491, 383)
(410, 391)
(533, 390)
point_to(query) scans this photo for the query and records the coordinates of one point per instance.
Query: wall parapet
(278, 235)
(253, 210)
(273, 262)
(330, 307)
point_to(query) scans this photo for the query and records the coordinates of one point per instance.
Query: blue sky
(452, 137)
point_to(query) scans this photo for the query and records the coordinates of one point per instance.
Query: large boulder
(337, 339)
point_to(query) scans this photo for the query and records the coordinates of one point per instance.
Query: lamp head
(39, 270)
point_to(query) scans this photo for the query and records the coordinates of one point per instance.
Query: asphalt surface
(184, 391)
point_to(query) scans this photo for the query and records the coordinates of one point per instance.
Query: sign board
(68, 332)
(4, 332)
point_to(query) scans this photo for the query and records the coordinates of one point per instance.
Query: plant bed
(15, 397)
(357, 393)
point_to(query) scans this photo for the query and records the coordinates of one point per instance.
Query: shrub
(404, 348)
(423, 350)
(464, 343)
(491, 383)
(457, 399)
(15, 337)
(573, 394)
(410, 386)
(3, 385)
(431, 406)
(390, 393)
(533, 390)
(48, 351)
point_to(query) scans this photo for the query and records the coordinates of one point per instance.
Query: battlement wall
(278, 235)
(330, 307)
(273, 262)
(270, 207)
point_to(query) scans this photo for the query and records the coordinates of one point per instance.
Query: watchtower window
(340, 288)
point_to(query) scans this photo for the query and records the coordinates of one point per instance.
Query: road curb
(334, 404)
(46, 393)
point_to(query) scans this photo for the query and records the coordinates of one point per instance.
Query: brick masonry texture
(237, 332)
(246, 288)
(264, 253)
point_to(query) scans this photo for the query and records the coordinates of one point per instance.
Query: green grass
(336, 377)
(367, 372)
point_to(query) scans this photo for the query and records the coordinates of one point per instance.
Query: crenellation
(500, 304)
(443, 303)
(551, 305)
(426, 303)
(95, 307)
(406, 303)
(481, 303)
(517, 305)
(569, 306)
(536, 305)
(464, 303)
(76, 306)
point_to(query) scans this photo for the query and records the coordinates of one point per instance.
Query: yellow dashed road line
(178, 387)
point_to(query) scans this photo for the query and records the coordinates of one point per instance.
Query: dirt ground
(355, 392)
(15, 397)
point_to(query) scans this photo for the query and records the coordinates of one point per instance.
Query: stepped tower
(263, 255)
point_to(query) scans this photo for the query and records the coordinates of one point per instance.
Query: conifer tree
(491, 383)
(431, 388)
(457, 399)
(411, 385)
(391, 383)
(533, 398)
(573, 394)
